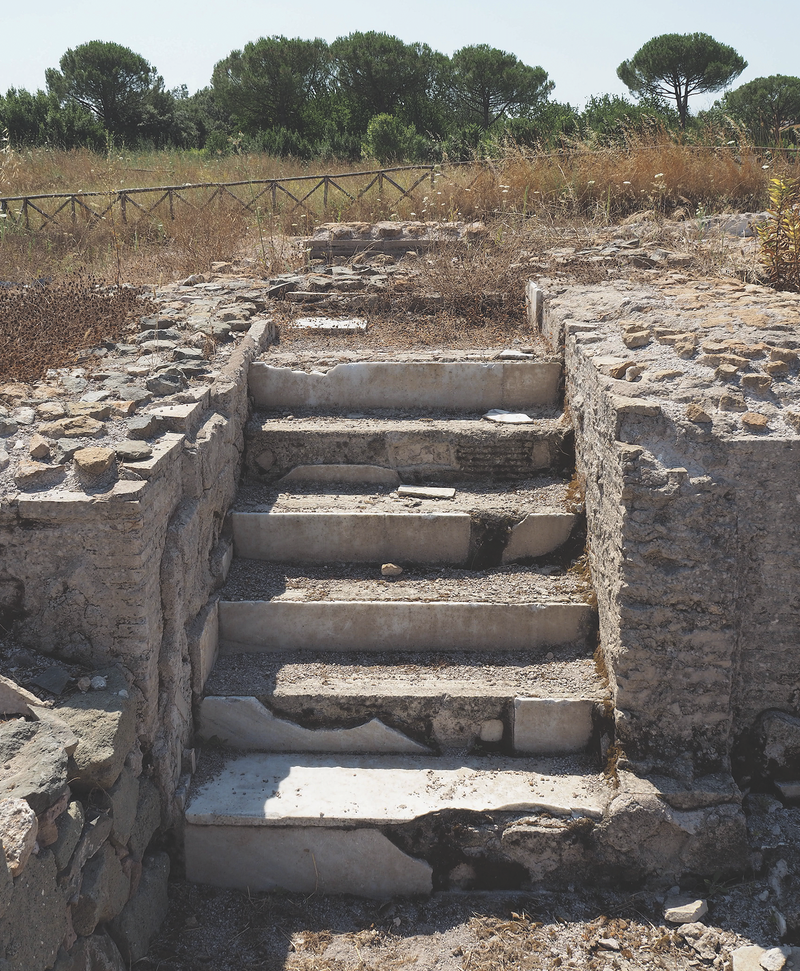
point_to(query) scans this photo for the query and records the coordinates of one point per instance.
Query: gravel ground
(547, 493)
(604, 929)
(560, 672)
(258, 580)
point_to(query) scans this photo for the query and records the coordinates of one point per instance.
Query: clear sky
(579, 43)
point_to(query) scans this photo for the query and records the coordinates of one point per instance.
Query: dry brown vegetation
(46, 326)
(583, 186)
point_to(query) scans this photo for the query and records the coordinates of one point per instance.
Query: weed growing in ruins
(780, 235)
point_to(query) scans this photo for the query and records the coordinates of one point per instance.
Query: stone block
(361, 862)
(18, 831)
(15, 700)
(35, 764)
(70, 827)
(203, 644)
(144, 912)
(353, 537)
(537, 535)
(148, 817)
(35, 921)
(104, 891)
(551, 726)
(454, 386)
(95, 953)
(124, 798)
(378, 626)
(244, 723)
(105, 723)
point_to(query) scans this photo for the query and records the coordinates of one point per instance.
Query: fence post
(273, 189)
(171, 210)
(122, 204)
(325, 195)
(25, 213)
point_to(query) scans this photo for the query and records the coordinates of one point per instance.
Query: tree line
(373, 95)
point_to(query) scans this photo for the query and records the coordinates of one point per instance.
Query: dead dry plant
(47, 325)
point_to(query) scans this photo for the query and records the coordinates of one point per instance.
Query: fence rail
(281, 195)
(37, 210)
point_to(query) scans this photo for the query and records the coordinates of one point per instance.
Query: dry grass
(598, 186)
(46, 326)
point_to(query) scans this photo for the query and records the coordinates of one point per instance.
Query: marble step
(410, 535)
(419, 447)
(374, 625)
(384, 825)
(449, 386)
(405, 703)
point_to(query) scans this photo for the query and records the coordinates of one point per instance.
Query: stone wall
(119, 578)
(686, 444)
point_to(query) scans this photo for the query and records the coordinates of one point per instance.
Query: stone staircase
(379, 731)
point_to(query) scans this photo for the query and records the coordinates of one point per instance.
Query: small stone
(492, 730)
(391, 570)
(793, 418)
(76, 426)
(38, 447)
(99, 683)
(94, 460)
(89, 409)
(50, 410)
(726, 372)
(757, 382)
(609, 943)
(18, 831)
(123, 409)
(783, 354)
(165, 384)
(666, 375)
(697, 414)
(686, 912)
(53, 679)
(33, 474)
(685, 348)
(618, 371)
(84, 684)
(636, 338)
(66, 449)
(754, 421)
(789, 792)
(4, 460)
(732, 401)
(775, 958)
(133, 451)
(145, 426)
(635, 372)
(776, 369)
(25, 416)
(426, 492)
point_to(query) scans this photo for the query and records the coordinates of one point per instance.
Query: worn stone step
(409, 534)
(351, 607)
(370, 824)
(373, 625)
(444, 702)
(421, 447)
(450, 386)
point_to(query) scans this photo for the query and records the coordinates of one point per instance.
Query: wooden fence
(261, 195)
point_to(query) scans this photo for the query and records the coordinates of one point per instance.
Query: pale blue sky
(579, 43)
